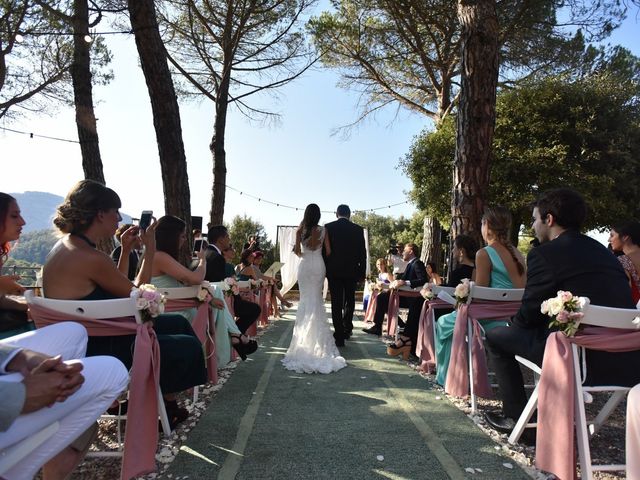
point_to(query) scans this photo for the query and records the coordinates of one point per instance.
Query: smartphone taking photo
(145, 219)
(199, 245)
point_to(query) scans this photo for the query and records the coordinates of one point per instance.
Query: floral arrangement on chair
(230, 286)
(149, 301)
(427, 292)
(256, 283)
(462, 292)
(565, 311)
(203, 291)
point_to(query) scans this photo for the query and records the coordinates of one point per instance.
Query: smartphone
(145, 219)
(199, 245)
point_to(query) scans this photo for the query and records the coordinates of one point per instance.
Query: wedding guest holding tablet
(76, 270)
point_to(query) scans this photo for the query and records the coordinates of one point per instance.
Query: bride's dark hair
(310, 219)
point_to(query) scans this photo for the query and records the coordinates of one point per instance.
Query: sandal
(244, 349)
(175, 413)
(401, 347)
(286, 304)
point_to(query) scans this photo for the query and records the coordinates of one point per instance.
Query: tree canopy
(582, 133)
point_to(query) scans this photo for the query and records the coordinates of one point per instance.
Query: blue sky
(294, 162)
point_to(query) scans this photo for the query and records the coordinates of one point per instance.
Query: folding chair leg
(582, 433)
(607, 410)
(196, 391)
(523, 421)
(474, 402)
(162, 412)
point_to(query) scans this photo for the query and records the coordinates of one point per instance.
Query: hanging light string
(229, 187)
(34, 135)
(281, 205)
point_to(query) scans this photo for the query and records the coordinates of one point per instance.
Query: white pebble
(438, 397)
(507, 465)
(268, 414)
(363, 377)
(469, 470)
(479, 470)
(380, 458)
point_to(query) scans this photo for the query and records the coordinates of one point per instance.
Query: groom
(345, 266)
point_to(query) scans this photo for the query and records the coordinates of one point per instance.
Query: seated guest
(218, 237)
(498, 265)
(415, 275)
(384, 276)
(432, 272)
(565, 260)
(229, 268)
(168, 272)
(45, 378)
(464, 252)
(75, 270)
(134, 249)
(396, 261)
(13, 313)
(246, 270)
(625, 238)
(257, 262)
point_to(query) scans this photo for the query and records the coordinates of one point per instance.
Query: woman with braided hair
(498, 265)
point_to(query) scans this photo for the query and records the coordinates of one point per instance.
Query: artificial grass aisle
(270, 423)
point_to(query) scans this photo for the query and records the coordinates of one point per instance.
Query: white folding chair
(489, 294)
(180, 293)
(11, 455)
(103, 309)
(450, 291)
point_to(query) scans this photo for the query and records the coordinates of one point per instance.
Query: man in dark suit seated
(246, 312)
(565, 260)
(415, 275)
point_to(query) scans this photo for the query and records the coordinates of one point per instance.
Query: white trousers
(105, 378)
(633, 434)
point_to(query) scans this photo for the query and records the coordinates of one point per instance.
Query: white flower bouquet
(203, 291)
(149, 301)
(462, 292)
(230, 286)
(565, 311)
(427, 292)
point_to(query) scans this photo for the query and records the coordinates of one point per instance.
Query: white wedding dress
(312, 347)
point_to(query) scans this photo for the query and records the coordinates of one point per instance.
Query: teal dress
(225, 323)
(445, 324)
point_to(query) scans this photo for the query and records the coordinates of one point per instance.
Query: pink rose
(563, 316)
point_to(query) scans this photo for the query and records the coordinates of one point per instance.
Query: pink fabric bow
(457, 382)
(425, 345)
(203, 326)
(394, 307)
(555, 449)
(264, 307)
(371, 306)
(141, 435)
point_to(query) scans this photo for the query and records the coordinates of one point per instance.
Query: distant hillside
(38, 209)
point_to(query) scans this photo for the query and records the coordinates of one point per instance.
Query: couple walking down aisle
(313, 348)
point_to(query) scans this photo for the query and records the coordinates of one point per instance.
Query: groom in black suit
(565, 260)
(346, 265)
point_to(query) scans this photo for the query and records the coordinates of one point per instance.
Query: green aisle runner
(374, 419)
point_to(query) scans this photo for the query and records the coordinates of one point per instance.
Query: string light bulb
(88, 38)
(19, 38)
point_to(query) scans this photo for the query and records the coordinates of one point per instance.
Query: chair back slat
(436, 289)
(177, 293)
(610, 317)
(97, 309)
(495, 294)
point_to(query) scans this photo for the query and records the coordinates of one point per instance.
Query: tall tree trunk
(431, 246)
(166, 113)
(218, 153)
(476, 114)
(83, 96)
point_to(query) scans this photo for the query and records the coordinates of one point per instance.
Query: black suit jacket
(215, 265)
(574, 263)
(348, 257)
(416, 273)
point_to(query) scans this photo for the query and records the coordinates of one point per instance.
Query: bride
(312, 347)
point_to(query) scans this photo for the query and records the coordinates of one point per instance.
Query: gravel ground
(607, 446)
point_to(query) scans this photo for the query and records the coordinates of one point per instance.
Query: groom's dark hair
(343, 211)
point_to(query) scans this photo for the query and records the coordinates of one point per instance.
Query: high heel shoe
(244, 349)
(401, 347)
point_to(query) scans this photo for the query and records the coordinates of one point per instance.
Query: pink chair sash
(204, 328)
(555, 450)
(425, 349)
(141, 435)
(371, 306)
(394, 307)
(457, 382)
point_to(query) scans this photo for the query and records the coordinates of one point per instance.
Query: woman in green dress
(168, 272)
(498, 265)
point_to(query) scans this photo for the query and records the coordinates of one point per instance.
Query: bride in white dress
(312, 347)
